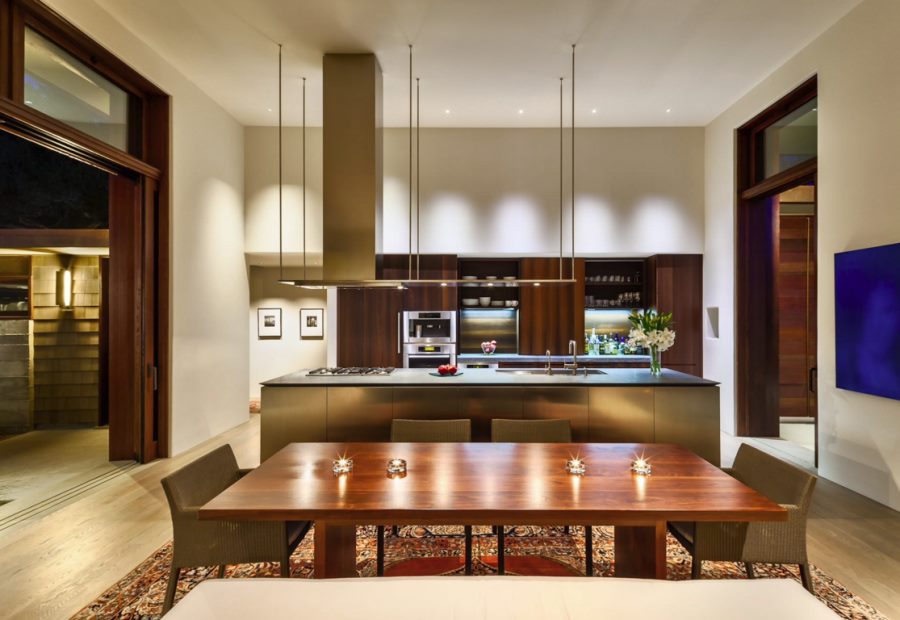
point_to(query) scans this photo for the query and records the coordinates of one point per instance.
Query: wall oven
(428, 355)
(428, 338)
(429, 327)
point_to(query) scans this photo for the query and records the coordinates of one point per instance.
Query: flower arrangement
(650, 329)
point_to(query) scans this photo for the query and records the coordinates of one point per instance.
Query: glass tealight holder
(641, 466)
(342, 465)
(576, 466)
(396, 467)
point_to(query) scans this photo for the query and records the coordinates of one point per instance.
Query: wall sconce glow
(64, 288)
(641, 466)
(342, 465)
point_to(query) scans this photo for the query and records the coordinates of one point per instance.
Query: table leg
(641, 551)
(335, 551)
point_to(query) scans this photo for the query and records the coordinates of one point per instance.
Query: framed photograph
(268, 323)
(312, 323)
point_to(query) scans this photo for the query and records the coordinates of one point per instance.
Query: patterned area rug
(438, 551)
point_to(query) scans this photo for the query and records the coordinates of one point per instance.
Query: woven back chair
(534, 431)
(774, 542)
(531, 431)
(431, 431)
(427, 431)
(205, 543)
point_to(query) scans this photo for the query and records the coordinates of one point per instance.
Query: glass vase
(655, 361)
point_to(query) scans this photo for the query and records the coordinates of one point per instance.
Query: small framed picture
(268, 323)
(312, 323)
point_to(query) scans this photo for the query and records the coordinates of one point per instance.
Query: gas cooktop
(353, 371)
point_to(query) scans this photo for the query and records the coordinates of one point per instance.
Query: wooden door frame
(147, 160)
(756, 257)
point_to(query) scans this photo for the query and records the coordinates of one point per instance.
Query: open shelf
(616, 284)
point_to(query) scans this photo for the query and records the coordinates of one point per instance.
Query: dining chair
(535, 431)
(205, 543)
(427, 431)
(770, 542)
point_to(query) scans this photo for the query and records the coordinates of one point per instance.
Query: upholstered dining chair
(427, 431)
(535, 431)
(775, 542)
(205, 543)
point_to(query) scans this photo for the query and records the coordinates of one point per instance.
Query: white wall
(272, 358)
(209, 289)
(496, 191)
(859, 147)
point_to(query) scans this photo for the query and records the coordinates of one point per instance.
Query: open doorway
(777, 169)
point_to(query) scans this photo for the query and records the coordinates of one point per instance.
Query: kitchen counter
(515, 358)
(623, 405)
(416, 377)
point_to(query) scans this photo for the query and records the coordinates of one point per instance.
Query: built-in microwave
(428, 355)
(429, 327)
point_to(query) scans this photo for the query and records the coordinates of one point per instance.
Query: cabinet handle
(399, 334)
(813, 372)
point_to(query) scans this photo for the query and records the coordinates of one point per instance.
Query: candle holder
(576, 466)
(342, 465)
(396, 467)
(641, 466)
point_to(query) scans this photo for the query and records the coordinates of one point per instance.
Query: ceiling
(487, 63)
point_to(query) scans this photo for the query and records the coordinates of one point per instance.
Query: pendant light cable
(409, 265)
(572, 274)
(561, 107)
(303, 173)
(418, 193)
(280, 188)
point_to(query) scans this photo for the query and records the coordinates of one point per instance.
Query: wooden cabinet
(550, 315)
(675, 284)
(369, 319)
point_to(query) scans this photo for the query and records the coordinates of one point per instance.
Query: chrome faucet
(573, 351)
(549, 369)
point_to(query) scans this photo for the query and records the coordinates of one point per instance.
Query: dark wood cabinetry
(675, 284)
(369, 319)
(550, 315)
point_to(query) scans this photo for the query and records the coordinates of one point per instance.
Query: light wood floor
(54, 566)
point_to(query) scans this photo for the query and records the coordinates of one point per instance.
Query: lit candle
(342, 465)
(576, 466)
(396, 466)
(641, 466)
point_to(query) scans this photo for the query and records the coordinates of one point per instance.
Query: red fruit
(453, 370)
(444, 369)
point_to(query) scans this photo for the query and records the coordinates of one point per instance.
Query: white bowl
(497, 304)
(514, 303)
(484, 301)
(490, 277)
(509, 277)
(470, 277)
(469, 302)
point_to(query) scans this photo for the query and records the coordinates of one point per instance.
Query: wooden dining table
(490, 484)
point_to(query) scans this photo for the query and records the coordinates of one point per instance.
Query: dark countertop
(414, 377)
(541, 360)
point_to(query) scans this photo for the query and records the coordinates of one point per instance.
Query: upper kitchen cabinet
(675, 284)
(369, 327)
(550, 315)
(424, 267)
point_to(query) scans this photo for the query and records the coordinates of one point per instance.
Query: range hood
(352, 181)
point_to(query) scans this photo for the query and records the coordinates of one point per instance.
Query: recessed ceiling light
(443, 284)
(594, 111)
(447, 111)
(668, 110)
(521, 111)
(269, 109)
(814, 109)
(27, 102)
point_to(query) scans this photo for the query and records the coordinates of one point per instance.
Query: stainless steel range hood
(353, 180)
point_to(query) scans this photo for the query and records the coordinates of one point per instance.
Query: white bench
(499, 598)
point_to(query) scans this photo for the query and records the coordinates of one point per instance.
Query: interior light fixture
(446, 111)
(594, 111)
(668, 110)
(521, 111)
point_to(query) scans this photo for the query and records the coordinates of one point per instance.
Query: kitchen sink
(557, 372)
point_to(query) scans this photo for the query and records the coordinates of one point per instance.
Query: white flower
(662, 339)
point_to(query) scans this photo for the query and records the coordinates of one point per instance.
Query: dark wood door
(796, 316)
(369, 327)
(549, 315)
(125, 322)
(676, 285)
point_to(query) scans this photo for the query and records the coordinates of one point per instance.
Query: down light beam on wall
(413, 279)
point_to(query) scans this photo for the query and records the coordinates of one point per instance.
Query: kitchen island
(621, 405)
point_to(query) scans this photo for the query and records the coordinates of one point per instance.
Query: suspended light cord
(572, 274)
(303, 174)
(409, 266)
(280, 189)
(561, 107)
(418, 150)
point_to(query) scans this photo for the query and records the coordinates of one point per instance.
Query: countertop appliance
(353, 371)
(428, 338)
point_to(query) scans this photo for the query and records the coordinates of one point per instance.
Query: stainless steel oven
(429, 327)
(428, 355)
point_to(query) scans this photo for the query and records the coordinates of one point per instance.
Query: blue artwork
(867, 320)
